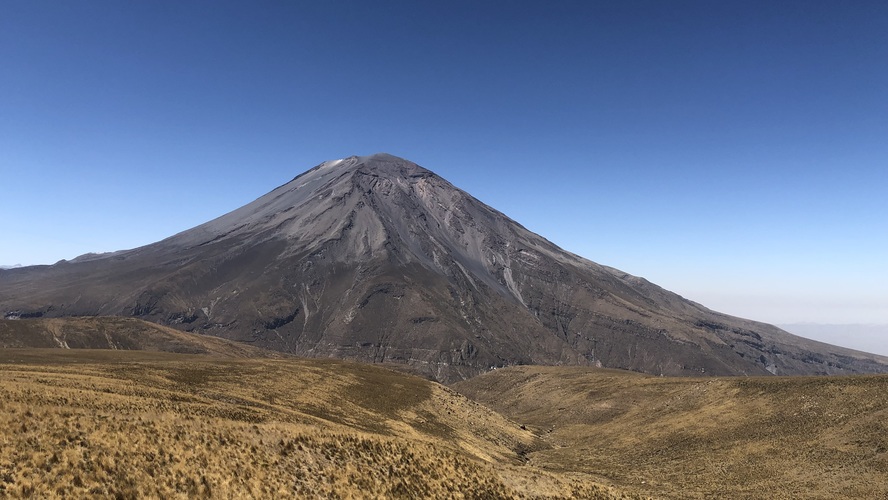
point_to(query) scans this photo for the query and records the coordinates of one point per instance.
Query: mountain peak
(381, 157)
(356, 160)
(384, 164)
(375, 258)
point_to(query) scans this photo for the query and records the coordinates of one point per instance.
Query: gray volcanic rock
(116, 333)
(375, 258)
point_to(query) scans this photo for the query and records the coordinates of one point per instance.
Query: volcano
(376, 259)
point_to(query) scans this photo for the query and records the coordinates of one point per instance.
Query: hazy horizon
(863, 337)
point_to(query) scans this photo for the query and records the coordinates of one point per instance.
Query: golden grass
(158, 425)
(768, 437)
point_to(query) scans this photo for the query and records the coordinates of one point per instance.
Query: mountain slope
(128, 334)
(377, 259)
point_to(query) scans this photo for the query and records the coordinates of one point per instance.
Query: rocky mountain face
(117, 333)
(377, 259)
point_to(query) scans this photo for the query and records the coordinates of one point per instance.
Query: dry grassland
(768, 437)
(157, 425)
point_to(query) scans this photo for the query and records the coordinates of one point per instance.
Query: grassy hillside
(774, 437)
(149, 424)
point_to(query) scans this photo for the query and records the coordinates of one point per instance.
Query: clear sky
(735, 152)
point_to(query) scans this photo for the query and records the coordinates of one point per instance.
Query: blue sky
(735, 152)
